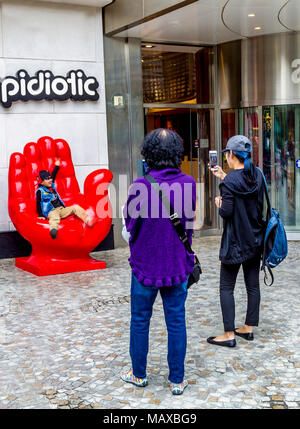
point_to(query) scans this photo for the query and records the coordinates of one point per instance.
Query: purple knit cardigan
(158, 257)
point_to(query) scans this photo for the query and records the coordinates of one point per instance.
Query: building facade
(58, 37)
(209, 70)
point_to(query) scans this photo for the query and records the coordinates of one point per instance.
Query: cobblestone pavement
(64, 340)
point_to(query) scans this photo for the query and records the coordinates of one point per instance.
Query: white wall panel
(4, 217)
(97, 3)
(82, 171)
(102, 133)
(3, 145)
(12, 65)
(2, 64)
(1, 28)
(48, 31)
(99, 37)
(10, 68)
(4, 226)
(36, 36)
(90, 69)
(80, 131)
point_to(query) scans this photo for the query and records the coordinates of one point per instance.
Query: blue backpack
(275, 242)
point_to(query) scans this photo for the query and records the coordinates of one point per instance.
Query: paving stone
(277, 398)
(155, 401)
(77, 363)
(292, 404)
(96, 405)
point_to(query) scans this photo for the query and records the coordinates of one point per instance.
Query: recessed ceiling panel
(97, 3)
(253, 17)
(219, 21)
(199, 22)
(290, 15)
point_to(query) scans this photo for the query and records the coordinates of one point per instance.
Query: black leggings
(227, 283)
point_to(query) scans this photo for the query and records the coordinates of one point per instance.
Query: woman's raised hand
(218, 172)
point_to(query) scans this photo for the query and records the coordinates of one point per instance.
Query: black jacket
(243, 214)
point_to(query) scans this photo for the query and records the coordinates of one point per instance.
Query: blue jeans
(142, 300)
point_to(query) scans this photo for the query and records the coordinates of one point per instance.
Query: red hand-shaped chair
(75, 240)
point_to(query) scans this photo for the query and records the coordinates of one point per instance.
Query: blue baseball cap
(238, 144)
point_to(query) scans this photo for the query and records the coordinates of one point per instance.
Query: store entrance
(196, 127)
(281, 152)
(275, 135)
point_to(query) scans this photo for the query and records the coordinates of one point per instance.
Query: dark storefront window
(241, 121)
(171, 75)
(192, 125)
(175, 77)
(281, 150)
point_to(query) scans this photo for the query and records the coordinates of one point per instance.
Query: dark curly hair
(163, 148)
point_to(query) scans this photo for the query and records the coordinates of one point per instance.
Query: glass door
(196, 127)
(281, 151)
(202, 142)
(241, 121)
(251, 130)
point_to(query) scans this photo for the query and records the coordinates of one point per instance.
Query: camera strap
(173, 216)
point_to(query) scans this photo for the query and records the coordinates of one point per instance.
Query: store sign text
(45, 86)
(296, 73)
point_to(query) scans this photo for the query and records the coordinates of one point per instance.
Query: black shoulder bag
(173, 216)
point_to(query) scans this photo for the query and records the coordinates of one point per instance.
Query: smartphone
(213, 159)
(145, 167)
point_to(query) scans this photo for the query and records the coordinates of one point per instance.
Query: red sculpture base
(47, 267)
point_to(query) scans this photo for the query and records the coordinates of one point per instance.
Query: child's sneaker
(53, 233)
(130, 378)
(177, 389)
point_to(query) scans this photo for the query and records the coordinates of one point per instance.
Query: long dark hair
(163, 148)
(249, 172)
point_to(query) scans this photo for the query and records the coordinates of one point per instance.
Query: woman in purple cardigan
(158, 258)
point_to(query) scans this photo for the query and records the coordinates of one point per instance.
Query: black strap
(264, 268)
(265, 185)
(175, 219)
(265, 265)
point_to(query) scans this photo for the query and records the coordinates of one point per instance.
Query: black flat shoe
(249, 336)
(228, 343)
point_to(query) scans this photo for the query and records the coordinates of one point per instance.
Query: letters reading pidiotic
(45, 86)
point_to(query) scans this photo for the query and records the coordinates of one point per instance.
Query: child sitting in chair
(50, 206)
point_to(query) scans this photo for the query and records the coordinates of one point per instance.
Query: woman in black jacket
(241, 206)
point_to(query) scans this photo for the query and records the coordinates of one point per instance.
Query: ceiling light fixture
(251, 15)
(149, 46)
(257, 28)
